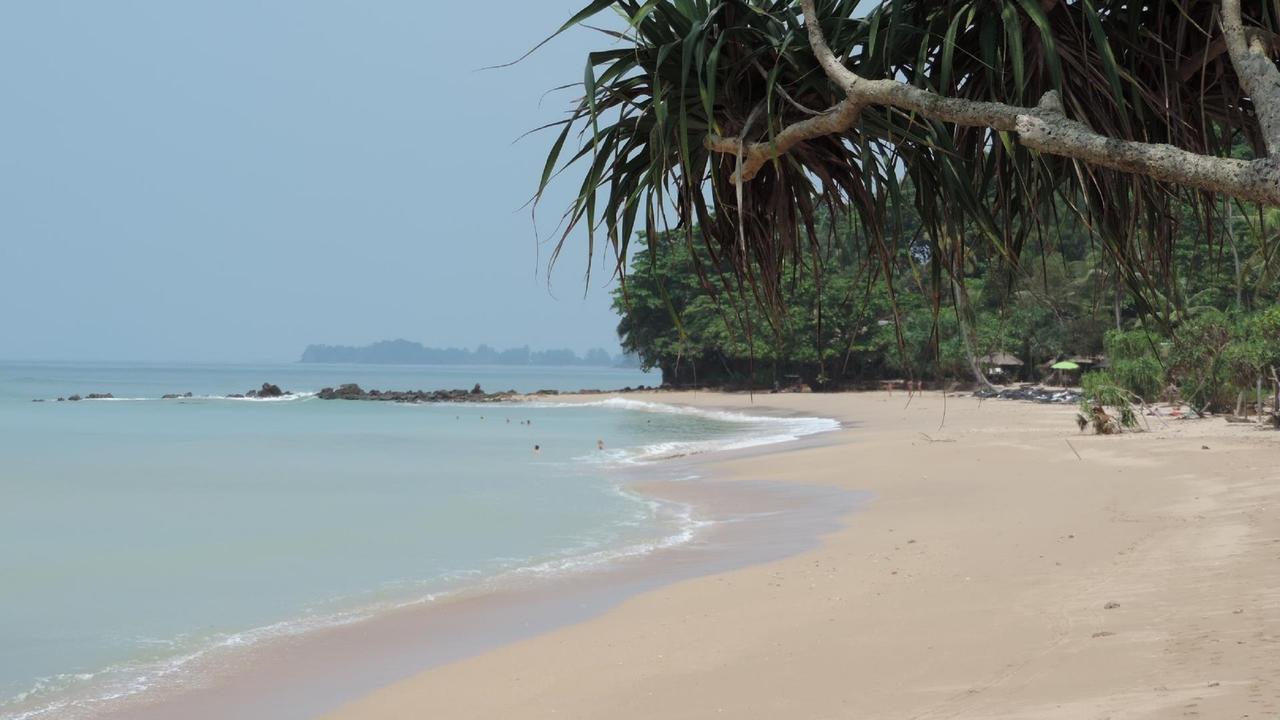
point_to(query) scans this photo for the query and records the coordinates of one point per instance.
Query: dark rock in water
(62, 399)
(354, 392)
(175, 396)
(235, 396)
(100, 396)
(38, 400)
(75, 398)
(267, 391)
(350, 391)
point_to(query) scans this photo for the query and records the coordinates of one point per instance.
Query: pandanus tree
(735, 122)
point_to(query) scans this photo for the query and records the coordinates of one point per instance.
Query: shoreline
(316, 670)
(1008, 567)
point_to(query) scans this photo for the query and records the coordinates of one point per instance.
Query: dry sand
(994, 575)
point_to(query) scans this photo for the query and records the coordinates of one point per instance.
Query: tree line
(1210, 336)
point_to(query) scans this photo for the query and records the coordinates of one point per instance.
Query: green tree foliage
(674, 320)
(1135, 363)
(1211, 361)
(675, 72)
(842, 322)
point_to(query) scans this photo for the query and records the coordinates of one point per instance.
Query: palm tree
(733, 121)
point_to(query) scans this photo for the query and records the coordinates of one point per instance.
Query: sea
(139, 535)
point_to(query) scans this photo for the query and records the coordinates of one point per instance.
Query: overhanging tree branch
(755, 155)
(1046, 128)
(1258, 75)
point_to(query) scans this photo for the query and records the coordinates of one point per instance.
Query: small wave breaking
(756, 430)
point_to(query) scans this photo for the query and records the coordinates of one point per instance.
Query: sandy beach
(1005, 567)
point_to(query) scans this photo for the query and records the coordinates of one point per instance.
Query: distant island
(405, 352)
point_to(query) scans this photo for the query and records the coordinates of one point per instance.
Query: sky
(231, 180)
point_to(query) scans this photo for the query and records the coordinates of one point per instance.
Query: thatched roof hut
(1000, 360)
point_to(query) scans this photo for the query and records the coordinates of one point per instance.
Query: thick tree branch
(1045, 127)
(1050, 131)
(1258, 75)
(756, 154)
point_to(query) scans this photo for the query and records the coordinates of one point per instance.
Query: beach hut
(1001, 363)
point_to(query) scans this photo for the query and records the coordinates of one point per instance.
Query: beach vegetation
(839, 191)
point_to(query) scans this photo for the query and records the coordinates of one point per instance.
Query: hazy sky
(232, 180)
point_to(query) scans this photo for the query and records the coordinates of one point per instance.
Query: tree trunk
(1235, 254)
(1259, 397)
(962, 315)
(1117, 301)
(1275, 402)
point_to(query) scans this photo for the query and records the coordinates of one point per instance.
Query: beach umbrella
(1064, 365)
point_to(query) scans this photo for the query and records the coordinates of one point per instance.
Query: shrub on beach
(1134, 362)
(1099, 392)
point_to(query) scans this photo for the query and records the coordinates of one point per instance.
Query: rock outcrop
(352, 391)
(266, 391)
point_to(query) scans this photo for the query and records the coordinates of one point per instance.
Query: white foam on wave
(292, 397)
(73, 695)
(757, 430)
(686, 524)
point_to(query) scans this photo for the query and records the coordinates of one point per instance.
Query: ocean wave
(292, 397)
(757, 430)
(578, 563)
(73, 695)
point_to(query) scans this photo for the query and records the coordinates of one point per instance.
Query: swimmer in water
(537, 449)
(600, 445)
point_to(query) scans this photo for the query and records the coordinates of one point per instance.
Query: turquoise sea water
(138, 534)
